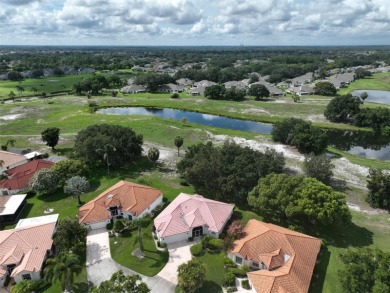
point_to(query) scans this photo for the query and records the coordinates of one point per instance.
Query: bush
(184, 182)
(215, 244)
(196, 249)
(231, 289)
(205, 240)
(228, 263)
(229, 279)
(240, 273)
(245, 284)
(158, 243)
(163, 245)
(109, 226)
(118, 225)
(190, 239)
(155, 237)
(175, 96)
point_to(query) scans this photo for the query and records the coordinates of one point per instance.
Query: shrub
(155, 237)
(109, 226)
(231, 289)
(118, 225)
(196, 249)
(215, 244)
(163, 245)
(228, 262)
(184, 182)
(245, 284)
(205, 240)
(240, 273)
(175, 96)
(191, 239)
(229, 279)
(245, 268)
(236, 229)
(158, 243)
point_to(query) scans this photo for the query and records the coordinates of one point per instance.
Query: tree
(93, 141)
(58, 72)
(175, 96)
(118, 225)
(325, 88)
(215, 92)
(12, 96)
(342, 108)
(63, 268)
(258, 91)
(14, 76)
(253, 78)
(153, 155)
(378, 185)
(76, 186)
(297, 199)
(44, 95)
(319, 167)
(106, 150)
(9, 142)
(362, 73)
(19, 88)
(236, 229)
(301, 134)
(69, 168)
(364, 95)
(51, 136)
(229, 172)
(44, 181)
(34, 89)
(119, 283)
(24, 286)
(37, 73)
(153, 81)
(178, 143)
(191, 276)
(71, 236)
(365, 270)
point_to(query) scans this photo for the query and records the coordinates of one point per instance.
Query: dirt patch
(317, 118)
(252, 111)
(11, 117)
(138, 253)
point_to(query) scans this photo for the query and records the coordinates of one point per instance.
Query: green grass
(213, 262)
(123, 246)
(380, 81)
(80, 285)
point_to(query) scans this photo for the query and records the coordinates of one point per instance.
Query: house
(125, 199)
(302, 90)
(306, 78)
(10, 160)
(237, 84)
(280, 260)
(23, 251)
(341, 80)
(274, 91)
(133, 89)
(204, 83)
(171, 88)
(10, 207)
(197, 91)
(191, 216)
(185, 82)
(19, 177)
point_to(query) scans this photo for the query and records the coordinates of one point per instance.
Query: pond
(374, 96)
(360, 143)
(200, 118)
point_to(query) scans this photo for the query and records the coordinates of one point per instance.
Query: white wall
(35, 276)
(98, 225)
(175, 238)
(2, 280)
(156, 203)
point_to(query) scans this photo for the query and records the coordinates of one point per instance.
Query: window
(255, 264)
(26, 277)
(238, 260)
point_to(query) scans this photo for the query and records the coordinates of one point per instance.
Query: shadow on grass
(80, 287)
(209, 286)
(66, 152)
(318, 278)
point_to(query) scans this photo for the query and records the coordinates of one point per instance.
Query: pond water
(200, 118)
(360, 143)
(381, 97)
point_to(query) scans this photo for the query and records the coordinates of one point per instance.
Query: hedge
(196, 249)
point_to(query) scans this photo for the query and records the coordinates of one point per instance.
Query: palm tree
(153, 155)
(106, 150)
(12, 95)
(34, 90)
(63, 268)
(178, 143)
(19, 88)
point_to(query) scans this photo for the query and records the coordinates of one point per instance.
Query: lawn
(123, 246)
(213, 262)
(380, 81)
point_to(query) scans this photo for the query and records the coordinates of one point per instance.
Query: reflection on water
(381, 97)
(361, 143)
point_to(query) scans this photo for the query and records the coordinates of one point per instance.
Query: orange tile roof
(25, 247)
(131, 197)
(10, 159)
(289, 256)
(19, 177)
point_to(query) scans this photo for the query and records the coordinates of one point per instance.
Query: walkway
(100, 265)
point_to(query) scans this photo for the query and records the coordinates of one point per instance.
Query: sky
(195, 22)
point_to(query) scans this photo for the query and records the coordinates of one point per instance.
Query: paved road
(100, 265)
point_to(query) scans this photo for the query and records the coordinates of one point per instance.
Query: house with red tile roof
(126, 199)
(23, 251)
(280, 260)
(19, 177)
(9, 160)
(191, 216)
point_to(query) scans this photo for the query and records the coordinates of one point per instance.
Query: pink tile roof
(131, 197)
(290, 257)
(19, 177)
(10, 158)
(189, 211)
(25, 247)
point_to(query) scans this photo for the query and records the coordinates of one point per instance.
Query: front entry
(197, 231)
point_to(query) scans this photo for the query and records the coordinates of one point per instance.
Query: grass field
(380, 81)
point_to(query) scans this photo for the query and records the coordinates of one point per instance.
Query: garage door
(98, 225)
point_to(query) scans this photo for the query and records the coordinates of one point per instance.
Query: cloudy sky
(195, 22)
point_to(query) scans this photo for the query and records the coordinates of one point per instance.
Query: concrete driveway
(178, 253)
(100, 265)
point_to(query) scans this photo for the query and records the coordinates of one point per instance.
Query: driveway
(179, 253)
(100, 265)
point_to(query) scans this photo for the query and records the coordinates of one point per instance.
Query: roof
(32, 155)
(27, 222)
(289, 256)
(131, 197)
(189, 211)
(10, 158)
(19, 177)
(9, 204)
(25, 247)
